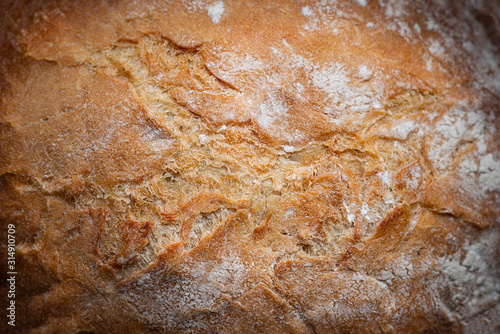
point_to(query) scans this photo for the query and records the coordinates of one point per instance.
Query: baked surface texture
(252, 166)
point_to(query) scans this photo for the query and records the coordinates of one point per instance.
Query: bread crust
(252, 166)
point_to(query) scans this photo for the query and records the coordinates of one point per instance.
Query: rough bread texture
(252, 166)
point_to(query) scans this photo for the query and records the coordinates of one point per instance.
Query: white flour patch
(489, 169)
(306, 11)
(270, 110)
(385, 178)
(364, 73)
(215, 11)
(393, 8)
(436, 49)
(365, 210)
(473, 281)
(164, 299)
(336, 83)
(478, 171)
(415, 176)
(403, 129)
(449, 130)
(350, 216)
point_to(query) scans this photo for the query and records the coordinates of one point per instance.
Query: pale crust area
(251, 166)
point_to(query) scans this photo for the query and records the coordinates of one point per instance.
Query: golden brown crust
(251, 166)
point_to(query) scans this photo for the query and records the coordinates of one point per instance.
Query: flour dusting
(336, 83)
(306, 11)
(216, 11)
(474, 282)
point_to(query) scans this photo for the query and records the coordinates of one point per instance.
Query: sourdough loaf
(252, 166)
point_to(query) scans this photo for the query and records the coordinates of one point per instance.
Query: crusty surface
(252, 166)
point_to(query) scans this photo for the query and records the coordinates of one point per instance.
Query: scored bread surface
(252, 166)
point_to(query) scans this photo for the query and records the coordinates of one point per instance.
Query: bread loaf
(251, 166)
